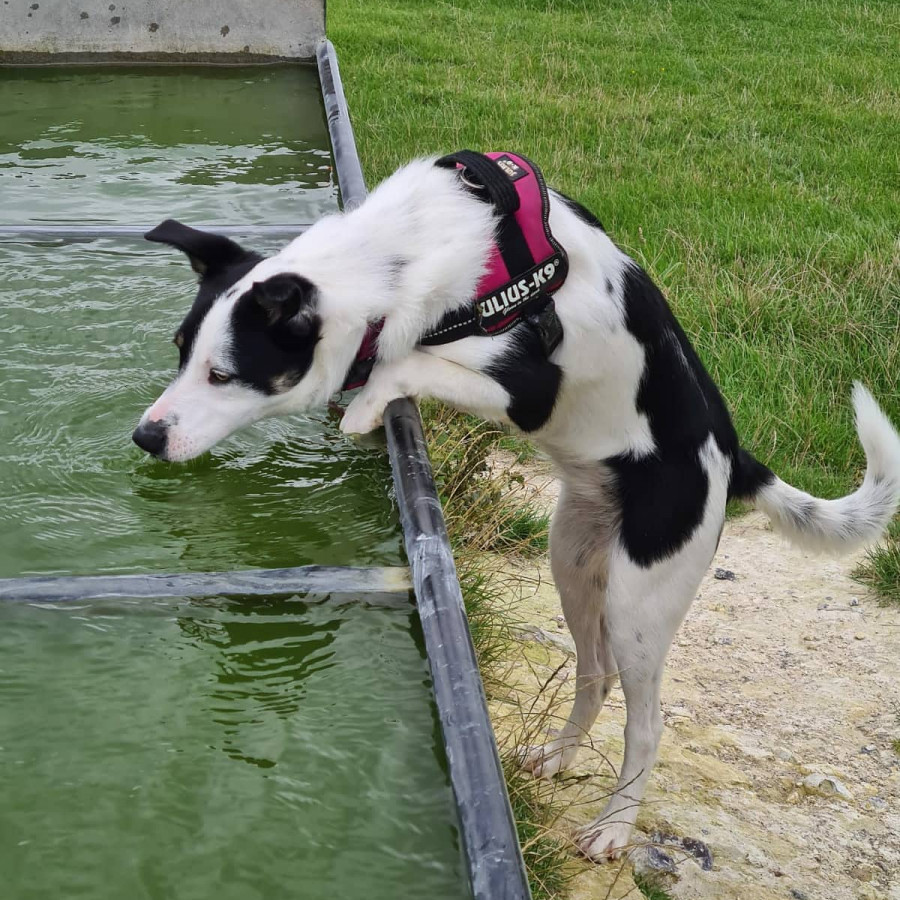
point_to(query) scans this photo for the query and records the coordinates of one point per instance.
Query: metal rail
(89, 232)
(493, 855)
(299, 579)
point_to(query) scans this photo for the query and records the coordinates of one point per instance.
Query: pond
(280, 746)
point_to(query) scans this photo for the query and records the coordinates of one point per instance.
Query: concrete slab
(38, 31)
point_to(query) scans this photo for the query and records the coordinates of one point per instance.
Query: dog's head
(246, 347)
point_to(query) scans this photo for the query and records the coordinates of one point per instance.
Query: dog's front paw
(364, 414)
(605, 839)
(548, 760)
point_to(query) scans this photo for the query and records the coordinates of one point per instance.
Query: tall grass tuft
(880, 570)
(485, 517)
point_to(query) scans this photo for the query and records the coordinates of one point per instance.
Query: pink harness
(526, 264)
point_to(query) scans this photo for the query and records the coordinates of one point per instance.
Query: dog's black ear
(208, 253)
(287, 298)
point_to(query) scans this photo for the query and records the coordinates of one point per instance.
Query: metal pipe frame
(28, 232)
(493, 856)
(295, 580)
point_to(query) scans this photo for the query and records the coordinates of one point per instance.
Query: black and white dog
(640, 435)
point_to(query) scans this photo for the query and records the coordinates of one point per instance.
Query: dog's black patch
(533, 382)
(676, 393)
(212, 285)
(661, 503)
(220, 262)
(663, 496)
(582, 212)
(748, 475)
(276, 329)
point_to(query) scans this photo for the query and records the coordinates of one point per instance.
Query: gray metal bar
(494, 858)
(299, 579)
(88, 232)
(343, 144)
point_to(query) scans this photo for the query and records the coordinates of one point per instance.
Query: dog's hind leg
(645, 605)
(581, 534)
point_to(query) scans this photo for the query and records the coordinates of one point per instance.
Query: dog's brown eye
(178, 340)
(217, 376)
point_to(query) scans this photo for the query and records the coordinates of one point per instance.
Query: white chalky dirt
(788, 671)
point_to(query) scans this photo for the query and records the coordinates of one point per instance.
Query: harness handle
(500, 189)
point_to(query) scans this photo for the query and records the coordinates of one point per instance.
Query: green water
(236, 751)
(129, 146)
(205, 748)
(85, 347)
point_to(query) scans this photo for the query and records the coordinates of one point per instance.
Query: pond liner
(90, 232)
(493, 856)
(298, 579)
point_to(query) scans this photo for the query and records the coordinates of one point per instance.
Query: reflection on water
(220, 749)
(227, 145)
(85, 346)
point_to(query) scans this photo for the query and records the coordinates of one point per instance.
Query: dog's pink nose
(152, 437)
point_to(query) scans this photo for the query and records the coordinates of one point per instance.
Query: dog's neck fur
(393, 258)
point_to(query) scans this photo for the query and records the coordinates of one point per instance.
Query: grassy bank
(746, 154)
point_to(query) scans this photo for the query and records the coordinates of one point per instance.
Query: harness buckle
(467, 180)
(548, 327)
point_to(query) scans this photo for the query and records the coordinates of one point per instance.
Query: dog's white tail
(838, 526)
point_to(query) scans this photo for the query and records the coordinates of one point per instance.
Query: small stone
(798, 895)
(859, 637)
(825, 786)
(756, 858)
(724, 575)
(727, 641)
(869, 749)
(700, 851)
(854, 601)
(646, 859)
(862, 873)
(784, 754)
(807, 863)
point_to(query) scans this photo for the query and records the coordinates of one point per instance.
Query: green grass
(527, 531)
(880, 569)
(651, 888)
(745, 153)
(547, 858)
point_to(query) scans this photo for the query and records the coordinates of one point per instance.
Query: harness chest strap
(527, 264)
